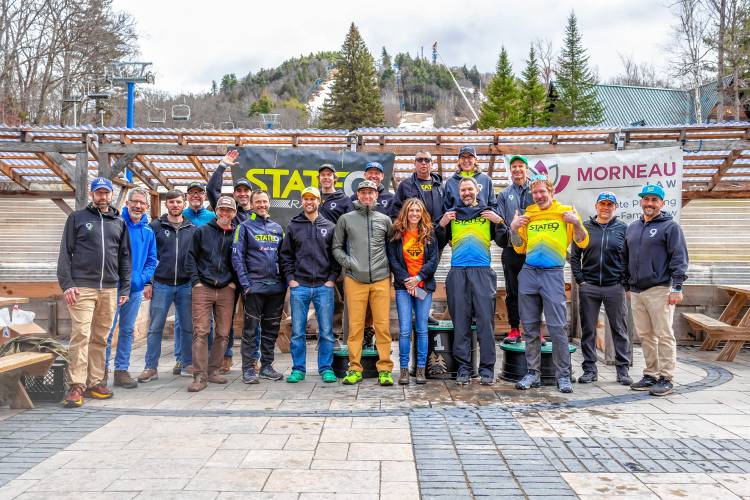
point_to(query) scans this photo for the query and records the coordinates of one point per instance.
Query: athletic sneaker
(487, 380)
(531, 379)
(462, 378)
(588, 377)
(329, 377)
(644, 384)
(385, 378)
(148, 375)
(296, 376)
(513, 337)
(269, 373)
(662, 387)
(99, 391)
(352, 378)
(250, 376)
(74, 398)
(187, 371)
(622, 376)
(177, 368)
(564, 385)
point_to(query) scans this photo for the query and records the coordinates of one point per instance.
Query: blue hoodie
(142, 251)
(202, 216)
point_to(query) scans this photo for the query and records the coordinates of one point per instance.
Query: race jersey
(546, 237)
(470, 240)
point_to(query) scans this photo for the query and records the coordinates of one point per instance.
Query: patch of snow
(412, 121)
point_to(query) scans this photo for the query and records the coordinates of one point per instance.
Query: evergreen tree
(355, 97)
(214, 87)
(576, 101)
(264, 104)
(533, 94)
(502, 104)
(387, 75)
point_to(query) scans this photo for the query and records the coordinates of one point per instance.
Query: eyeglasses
(423, 160)
(538, 177)
(465, 157)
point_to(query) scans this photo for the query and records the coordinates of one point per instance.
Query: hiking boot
(216, 378)
(513, 337)
(432, 321)
(531, 379)
(403, 378)
(662, 387)
(124, 380)
(462, 378)
(250, 376)
(352, 378)
(199, 383)
(187, 371)
(296, 376)
(74, 398)
(269, 373)
(226, 365)
(148, 375)
(588, 377)
(329, 377)
(421, 379)
(644, 384)
(177, 368)
(98, 391)
(487, 379)
(564, 385)
(385, 378)
(622, 376)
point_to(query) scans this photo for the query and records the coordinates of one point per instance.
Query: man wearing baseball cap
(656, 259)
(374, 172)
(468, 166)
(93, 270)
(334, 202)
(359, 245)
(209, 265)
(310, 271)
(598, 269)
(195, 212)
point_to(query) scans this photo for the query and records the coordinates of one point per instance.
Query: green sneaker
(385, 378)
(295, 376)
(352, 378)
(329, 377)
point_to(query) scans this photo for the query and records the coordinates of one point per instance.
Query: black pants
(512, 264)
(471, 292)
(590, 298)
(263, 309)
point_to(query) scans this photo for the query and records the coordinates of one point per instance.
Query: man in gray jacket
(359, 245)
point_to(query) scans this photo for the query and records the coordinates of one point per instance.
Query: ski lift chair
(181, 112)
(229, 124)
(157, 116)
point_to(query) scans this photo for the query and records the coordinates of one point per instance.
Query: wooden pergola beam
(166, 149)
(199, 166)
(155, 172)
(725, 165)
(43, 147)
(60, 166)
(14, 176)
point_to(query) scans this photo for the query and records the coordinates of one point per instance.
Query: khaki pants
(220, 303)
(91, 317)
(652, 317)
(378, 296)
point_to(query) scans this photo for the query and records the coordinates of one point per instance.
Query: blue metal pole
(129, 123)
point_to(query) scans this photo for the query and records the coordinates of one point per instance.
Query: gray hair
(141, 192)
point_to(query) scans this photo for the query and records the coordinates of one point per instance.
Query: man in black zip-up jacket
(333, 203)
(598, 269)
(310, 270)
(174, 234)
(93, 270)
(209, 264)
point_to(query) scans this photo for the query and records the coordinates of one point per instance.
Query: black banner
(285, 172)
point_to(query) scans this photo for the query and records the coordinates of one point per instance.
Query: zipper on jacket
(177, 254)
(601, 255)
(101, 279)
(369, 244)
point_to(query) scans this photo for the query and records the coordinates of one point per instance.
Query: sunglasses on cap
(422, 159)
(538, 177)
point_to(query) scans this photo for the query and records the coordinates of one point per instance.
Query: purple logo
(553, 172)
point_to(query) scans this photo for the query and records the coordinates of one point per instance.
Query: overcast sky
(192, 42)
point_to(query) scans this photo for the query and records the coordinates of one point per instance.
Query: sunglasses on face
(423, 160)
(538, 177)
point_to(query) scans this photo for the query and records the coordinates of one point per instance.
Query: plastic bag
(21, 317)
(4, 317)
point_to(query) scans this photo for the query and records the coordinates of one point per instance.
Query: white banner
(580, 177)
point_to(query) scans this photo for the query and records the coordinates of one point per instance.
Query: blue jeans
(322, 299)
(127, 315)
(164, 296)
(406, 305)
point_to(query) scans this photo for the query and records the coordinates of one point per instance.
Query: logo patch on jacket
(323, 231)
(89, 226)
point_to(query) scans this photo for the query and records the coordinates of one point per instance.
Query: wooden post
(81, 180)
(155, 208)
(105, 168)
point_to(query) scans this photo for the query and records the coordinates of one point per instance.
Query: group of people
(206, 260)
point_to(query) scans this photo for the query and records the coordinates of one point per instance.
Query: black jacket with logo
(172, 246)
(334, 205)
(307, 252)
(95, 251)
(601, 263)
(209, 260)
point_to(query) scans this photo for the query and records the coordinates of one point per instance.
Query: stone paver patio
(319, 441)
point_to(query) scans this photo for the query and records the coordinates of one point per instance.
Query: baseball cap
(467, 150)
(243, 182)
(374, 164)
(518, 157)
(101, 183)
(327, 166)
(608, 196)
(367, 184)
(226, 202)
(310, 190)
(196, 185)
(652, 189)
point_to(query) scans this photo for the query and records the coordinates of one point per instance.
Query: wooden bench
(24, 363)
(716, 331)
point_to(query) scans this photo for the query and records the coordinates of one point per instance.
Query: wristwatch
(676, 289)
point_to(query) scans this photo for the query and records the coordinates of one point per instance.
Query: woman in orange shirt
(413, 258)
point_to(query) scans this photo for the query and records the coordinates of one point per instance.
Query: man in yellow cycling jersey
(544, 233)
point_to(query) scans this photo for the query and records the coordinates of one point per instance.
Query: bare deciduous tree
(547, 57)
(639, 74)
